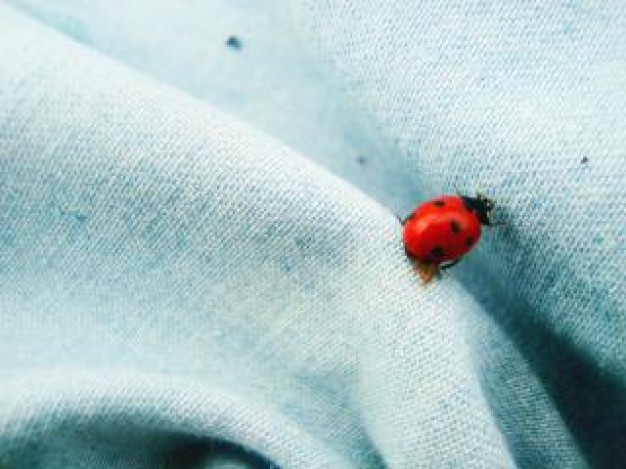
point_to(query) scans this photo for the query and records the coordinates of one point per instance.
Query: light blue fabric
(200, 261)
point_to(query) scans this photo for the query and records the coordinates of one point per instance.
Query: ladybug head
(482, 205)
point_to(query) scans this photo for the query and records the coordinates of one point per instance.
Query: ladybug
(442, 230)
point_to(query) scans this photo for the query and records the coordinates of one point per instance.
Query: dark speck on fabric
(234, 43)
(286, 265)
(80, 217)
(73, 214)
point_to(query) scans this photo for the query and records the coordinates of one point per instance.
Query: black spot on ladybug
(584, 160)
(437, 252)
(234, 43)
(439, 203)
(469, 241)
(456, 226)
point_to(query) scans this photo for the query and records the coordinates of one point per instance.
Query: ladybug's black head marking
(482, 205)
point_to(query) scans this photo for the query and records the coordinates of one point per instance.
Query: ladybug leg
(405, 219)
(491, 223)
(450, 264)
(496, 223)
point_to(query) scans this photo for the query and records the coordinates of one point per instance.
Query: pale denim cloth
(200, 260)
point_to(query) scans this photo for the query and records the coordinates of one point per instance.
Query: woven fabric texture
(201, 263)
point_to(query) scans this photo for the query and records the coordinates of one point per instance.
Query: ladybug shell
(441, 230)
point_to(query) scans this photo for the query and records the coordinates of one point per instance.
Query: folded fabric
(200, 260)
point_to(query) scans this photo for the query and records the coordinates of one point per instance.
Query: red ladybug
(439, 232)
